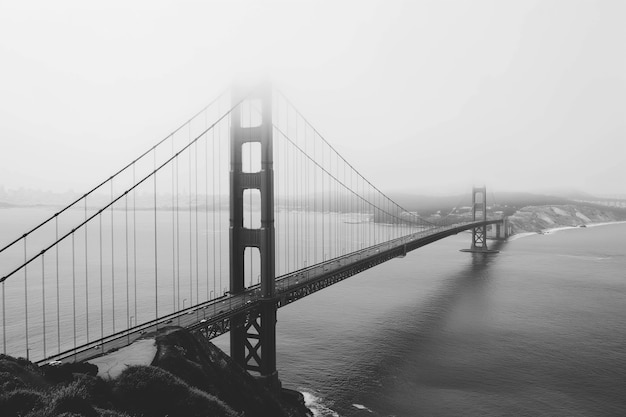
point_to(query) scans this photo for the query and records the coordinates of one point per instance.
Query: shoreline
(561, 228)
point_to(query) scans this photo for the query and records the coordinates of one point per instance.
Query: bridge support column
(502, 230)
(253, 333)
(479, 212)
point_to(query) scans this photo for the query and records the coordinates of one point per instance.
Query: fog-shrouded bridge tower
(253, 339)
(479, 212)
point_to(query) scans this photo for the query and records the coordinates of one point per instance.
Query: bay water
(538, 329)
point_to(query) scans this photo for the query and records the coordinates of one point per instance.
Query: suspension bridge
(243, 209)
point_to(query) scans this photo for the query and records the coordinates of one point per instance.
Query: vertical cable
(4, 321)
(86, 273)
(307, 222)
(195, 146)
(43, 301)
(177, 234)
(128, 323)
(101, 286)
(213, 209)
(315, 259)
(74, 290)
(135, 245)
(219, 191)
(296, 217)
(56, 223)
(173, 229)
(287, 197)
(26, 295)
(156, 269)
(323, 209)
(112, 262)
(190, 228)
(206, 204)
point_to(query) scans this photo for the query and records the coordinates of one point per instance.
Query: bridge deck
(212, 318)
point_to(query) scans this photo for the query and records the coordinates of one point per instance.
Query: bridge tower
(253, 334)
(479, 213)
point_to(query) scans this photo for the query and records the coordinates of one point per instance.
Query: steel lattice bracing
(479, 213)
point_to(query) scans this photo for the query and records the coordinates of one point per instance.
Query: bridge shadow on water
(406, 355)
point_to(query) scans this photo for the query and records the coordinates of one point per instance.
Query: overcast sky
(421, 96)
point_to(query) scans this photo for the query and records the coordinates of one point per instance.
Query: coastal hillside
(539, 218)
(188, 377)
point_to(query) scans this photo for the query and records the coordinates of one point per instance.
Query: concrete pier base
(480, 250)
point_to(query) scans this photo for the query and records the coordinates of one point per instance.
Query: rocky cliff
(539, 218)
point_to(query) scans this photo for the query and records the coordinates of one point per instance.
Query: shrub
(8, 382)
(20, 402)
(154, 392)
(64, 372)
(22, 370)
(95, 389)
(72, 398)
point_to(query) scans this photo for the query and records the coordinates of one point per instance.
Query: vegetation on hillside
(73, 390)
(190, 377)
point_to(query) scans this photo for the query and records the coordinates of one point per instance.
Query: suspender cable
(74, 289)
(101, 286)
(56, 226)
(174, 230)
(213, 208)
(112, 262)
(206, 209)
(156, 269)
(26, 296)
(135, 246)
(296, 182)
(177, 161)
(4, 321)
(190, 228)
(219, 191)
(43, 301)
(144, 179)
(128, 323)
(288, 197)
(114, 175)
(195, 147)
(314, 205)
(86, 273)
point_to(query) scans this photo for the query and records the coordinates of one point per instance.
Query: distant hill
(545, 217)
(426, 205)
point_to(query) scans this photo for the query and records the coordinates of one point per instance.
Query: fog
(428, 96)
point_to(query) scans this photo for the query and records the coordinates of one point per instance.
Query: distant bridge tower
(479, 212)
(253, 334)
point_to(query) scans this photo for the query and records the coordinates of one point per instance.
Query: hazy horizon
(421, 97)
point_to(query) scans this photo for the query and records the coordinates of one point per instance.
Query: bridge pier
(253, 332)
(479, 234)
(503, 231)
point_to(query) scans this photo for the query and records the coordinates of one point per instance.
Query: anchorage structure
(253, 334)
